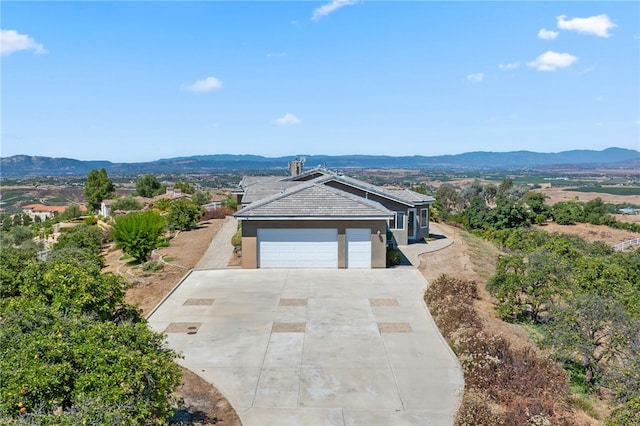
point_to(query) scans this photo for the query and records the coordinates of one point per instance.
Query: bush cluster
(505, 386)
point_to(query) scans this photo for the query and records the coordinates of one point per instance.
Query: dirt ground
(592, 233)
(559, 194)
(203, 403)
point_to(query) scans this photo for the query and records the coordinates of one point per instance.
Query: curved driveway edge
(307, 347)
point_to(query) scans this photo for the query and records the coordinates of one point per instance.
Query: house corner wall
(249, 253)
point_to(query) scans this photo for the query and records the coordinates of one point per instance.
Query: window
(424, 218)
(397, 221)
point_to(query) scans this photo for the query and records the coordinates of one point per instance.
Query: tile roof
(409, 195)
(257, 188)
(314, 200)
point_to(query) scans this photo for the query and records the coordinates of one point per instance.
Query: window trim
(424, 221)
(395, 221)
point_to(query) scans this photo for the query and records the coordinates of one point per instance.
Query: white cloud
(12, 41)
(476, 78)
(205, 85)
(547, 34)
(511, 66)
(287, 120)
(550, 61)
(328, 8)
(597, 25)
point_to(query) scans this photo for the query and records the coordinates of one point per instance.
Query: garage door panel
(298, 248)
(358, 250)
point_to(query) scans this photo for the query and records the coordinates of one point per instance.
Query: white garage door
(297, 248)
(358, 248)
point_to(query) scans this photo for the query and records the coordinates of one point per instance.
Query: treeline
(71, 350)
(485, 207)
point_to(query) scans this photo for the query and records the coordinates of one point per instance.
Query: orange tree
(72, 351)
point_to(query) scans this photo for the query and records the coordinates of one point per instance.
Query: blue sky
(139, 81)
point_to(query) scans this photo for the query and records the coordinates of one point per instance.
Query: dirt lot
(203, 403)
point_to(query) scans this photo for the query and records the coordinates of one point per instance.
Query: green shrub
(137, 233)
(152, 266)
(90, 220)
(236, 240)
(394, 257)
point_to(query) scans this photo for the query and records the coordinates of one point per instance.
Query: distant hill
(24, 166)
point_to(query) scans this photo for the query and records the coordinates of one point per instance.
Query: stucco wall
(378, 241)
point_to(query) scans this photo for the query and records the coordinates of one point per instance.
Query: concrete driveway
(315, 347)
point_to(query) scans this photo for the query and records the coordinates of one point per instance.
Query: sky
(139, 81)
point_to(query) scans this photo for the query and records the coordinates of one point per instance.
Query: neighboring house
(324, 219)
(45, 212)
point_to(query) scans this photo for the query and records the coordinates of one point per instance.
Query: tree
(184, 215)
(13, 263)
(231, 201)
(567, 212)
(185, 187)
(472, 191)
(148, 186)
(61, 369)
(526, 285)
(87, 237)
(509, 214)
(449, 198)
(478, 214)
(505, 186)
(97, 187)
(490, 193)
(138, 233)
(71, 212)
(201, 197)
(21, 234)
(126, 204)
(592, 331)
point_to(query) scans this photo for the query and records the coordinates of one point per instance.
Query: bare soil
(592, 233)
(203, 404)
(557, 194)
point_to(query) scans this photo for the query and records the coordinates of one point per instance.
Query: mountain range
(20, 166)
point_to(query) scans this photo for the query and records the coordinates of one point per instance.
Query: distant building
(629, 210)
(46, 212)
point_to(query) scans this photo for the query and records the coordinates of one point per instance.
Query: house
(46, 212)
(324, 219)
